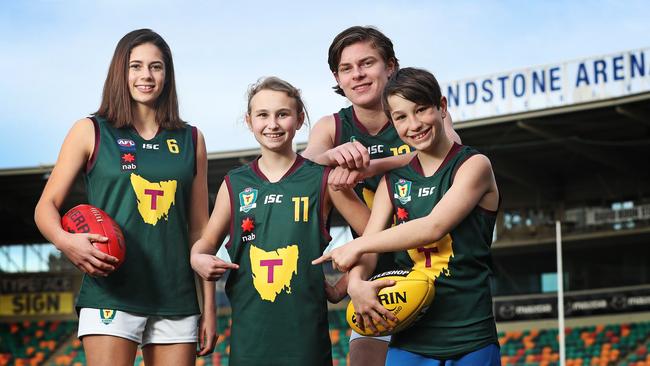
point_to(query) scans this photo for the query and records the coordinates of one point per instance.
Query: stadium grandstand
(568, 143)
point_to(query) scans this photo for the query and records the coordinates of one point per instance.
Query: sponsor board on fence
(574, 305)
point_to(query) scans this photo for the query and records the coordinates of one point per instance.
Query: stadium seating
(340, 337)
(31, 343)
(601, 345)
(34, 343)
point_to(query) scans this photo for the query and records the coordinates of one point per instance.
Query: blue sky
(55, 53)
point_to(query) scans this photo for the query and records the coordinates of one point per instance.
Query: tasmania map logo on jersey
(154, 198)
(274, 270)
(403, 191)
(433, 259)
(247, 199)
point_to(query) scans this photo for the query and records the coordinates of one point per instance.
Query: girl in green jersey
(133, 145)
(275, 211)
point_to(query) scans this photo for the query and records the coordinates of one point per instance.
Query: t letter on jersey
(433, 259)
(273, 271)
(154, 199)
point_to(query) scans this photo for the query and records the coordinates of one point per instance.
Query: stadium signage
(603, 215)
(50, 303)
(556, 85)
(36, 295)
(545, 307)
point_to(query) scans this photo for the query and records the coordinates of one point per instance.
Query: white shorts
(354, 335)
(138, 328)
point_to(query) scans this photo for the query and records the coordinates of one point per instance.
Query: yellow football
(408, 299)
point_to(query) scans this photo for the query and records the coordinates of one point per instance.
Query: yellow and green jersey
(460, 318)
(384, 144)
(145, 186)
(278, 301)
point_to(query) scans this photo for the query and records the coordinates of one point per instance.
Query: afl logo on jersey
(126, 144)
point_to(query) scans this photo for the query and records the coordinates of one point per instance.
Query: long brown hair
(116, 98)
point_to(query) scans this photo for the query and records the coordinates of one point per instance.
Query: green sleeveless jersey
(384, 144)
(460, 318)
(278, 301)
(145, 186)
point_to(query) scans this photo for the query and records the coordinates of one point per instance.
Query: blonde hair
(279, 85)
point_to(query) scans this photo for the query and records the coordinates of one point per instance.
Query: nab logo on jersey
(248, 226)
(402, 214)
(127, 161)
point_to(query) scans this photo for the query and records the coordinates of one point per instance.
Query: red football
(90, 219)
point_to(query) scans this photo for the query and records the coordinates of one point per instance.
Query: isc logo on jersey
(147, 146)
(372, 149)
(375, 149)
(273, 198)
